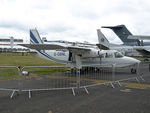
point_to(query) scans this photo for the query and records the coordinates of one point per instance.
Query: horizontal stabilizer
(100, 46)
(113, 27)
(139, 37)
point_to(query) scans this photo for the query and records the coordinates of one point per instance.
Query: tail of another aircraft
(122, 32)
(103, 42)
(35, 37)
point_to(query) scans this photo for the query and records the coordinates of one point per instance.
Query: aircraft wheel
(146, 60)
(133, 71)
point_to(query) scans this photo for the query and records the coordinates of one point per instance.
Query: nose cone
(131, 60)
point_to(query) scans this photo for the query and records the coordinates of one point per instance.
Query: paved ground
(132, 97)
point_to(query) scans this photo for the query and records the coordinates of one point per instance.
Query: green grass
(25, 61)
(45, 71)
(18, 60)
(7, 74)
(10, 59)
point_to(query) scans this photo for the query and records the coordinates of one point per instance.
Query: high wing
(43, 46)
(139, 37)
(76, 50)
(54, 47)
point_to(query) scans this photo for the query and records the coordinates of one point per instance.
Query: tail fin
(35, 37)
(122, 32)
(103, 42)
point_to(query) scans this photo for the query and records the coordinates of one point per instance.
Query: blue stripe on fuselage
(51, 58)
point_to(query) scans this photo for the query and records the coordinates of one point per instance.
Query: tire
(146, 60)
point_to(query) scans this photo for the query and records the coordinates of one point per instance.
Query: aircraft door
(70, 56)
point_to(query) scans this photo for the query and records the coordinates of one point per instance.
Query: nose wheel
(133, 71)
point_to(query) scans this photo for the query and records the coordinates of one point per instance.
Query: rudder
(122, 32)
(35, 37)
(103, 42)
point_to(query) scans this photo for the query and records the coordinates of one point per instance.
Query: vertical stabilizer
(35, 37)
(103, 42)
(122, 32)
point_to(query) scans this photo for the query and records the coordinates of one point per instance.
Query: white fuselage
(91, 58)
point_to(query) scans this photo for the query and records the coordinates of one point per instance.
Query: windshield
(118, 55)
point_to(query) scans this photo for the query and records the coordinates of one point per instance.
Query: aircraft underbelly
(106, 62)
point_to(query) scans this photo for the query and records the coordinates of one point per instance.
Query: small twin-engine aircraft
(77, 54)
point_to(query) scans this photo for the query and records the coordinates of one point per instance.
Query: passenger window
(109, 55)
(102, 56)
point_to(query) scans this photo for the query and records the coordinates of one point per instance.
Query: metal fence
(48, 78)
(10, 79)
(42, 78)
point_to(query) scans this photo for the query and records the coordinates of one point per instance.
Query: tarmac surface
(131, 97)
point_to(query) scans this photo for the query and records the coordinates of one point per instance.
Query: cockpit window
(118, 55)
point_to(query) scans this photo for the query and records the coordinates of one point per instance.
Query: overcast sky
(73, 20)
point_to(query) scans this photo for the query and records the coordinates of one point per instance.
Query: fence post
(19, 79)
(149, 67)
(137, 69)
(113, 72)
(78, 77)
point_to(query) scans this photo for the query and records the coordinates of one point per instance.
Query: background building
(11, 45)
